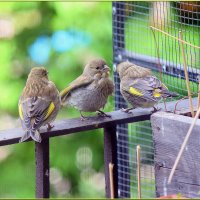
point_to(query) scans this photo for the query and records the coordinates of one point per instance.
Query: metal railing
(69, 126)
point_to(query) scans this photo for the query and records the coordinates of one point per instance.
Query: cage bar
(134, 41)
(122, 130)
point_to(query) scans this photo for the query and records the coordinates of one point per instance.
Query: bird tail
(35, 135)
(167, 93)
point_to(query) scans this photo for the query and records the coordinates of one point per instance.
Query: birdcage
(147, 33)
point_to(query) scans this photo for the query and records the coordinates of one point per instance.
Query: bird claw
(49, 126)
(155, 110)
(126, 110)
(103, 114)
(83, 118)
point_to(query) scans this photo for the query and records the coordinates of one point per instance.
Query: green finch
(90, 91)
(39, 103)
(139, 87)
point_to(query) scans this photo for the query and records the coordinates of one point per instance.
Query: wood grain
(169, 131)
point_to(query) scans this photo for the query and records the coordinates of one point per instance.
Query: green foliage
(52, 16)
(33, 19)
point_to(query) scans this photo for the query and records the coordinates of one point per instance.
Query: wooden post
(111, 180)
(169, 131)
(110, 156)
(183, 145)
(139, 172)
(42, 168)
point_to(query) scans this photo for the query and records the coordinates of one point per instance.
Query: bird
(89, 92)
(38, 104)
(139, 87)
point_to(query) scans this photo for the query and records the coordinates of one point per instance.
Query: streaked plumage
(90, 91)
(39, 103)
(139, 87)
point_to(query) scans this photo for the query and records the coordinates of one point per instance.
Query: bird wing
(79, 82)
(148, 87)
(34, 111)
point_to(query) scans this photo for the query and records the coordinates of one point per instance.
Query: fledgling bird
(139, 87)
(39, 103)
(90, 91)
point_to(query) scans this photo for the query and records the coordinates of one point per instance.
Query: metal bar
(151, 62)
(110, 156)
(118, 47)
(68, 126)
(42, 168)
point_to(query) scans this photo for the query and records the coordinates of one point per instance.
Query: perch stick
(138, 172)
(111, 180)
(183, 146)
(186, 75)
(198, 96)
(158, 54)
(180, 40)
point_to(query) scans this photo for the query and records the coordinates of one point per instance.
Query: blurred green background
(61, 36)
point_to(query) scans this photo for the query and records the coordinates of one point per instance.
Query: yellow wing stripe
(20, 111)
(65, 91)
(155, 94)
(50, 110)
(133, 91)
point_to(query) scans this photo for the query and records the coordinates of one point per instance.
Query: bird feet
(126, 110)
(83, 118)
(103, 114)
(155, 110)
(49, 126)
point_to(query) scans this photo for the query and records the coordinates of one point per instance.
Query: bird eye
(97, 68)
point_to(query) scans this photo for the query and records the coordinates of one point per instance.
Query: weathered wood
(182, 183)
(169, 131)
(110, 156)
(42, 168)
(69, 126)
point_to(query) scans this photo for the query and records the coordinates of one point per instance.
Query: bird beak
(106, 68)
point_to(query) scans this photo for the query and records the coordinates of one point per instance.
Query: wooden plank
(69, 126)
(169, 131)
(110, 156)
(182, 183)
(42, 168)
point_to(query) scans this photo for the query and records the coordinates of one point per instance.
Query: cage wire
(135, 41)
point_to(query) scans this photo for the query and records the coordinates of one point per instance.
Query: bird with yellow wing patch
(139, 87)
(39, 103)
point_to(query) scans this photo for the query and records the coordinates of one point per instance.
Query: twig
(198, 96)
(175, 107)
(180, 40)
(111, 180)
(138, 172)
(158, 53)
(186, 75)
(183, 146)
